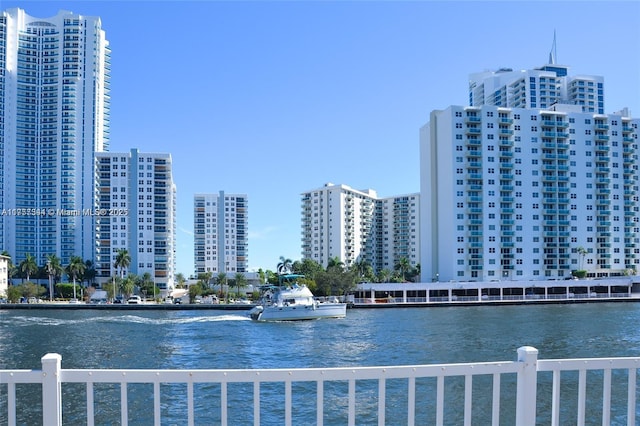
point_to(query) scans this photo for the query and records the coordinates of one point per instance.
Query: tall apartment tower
(514, 193)
(54, 114)
(354, 225)
(221, 233)
(537, 88)
(137, 212)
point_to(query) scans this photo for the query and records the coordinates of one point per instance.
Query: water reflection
(367, 337)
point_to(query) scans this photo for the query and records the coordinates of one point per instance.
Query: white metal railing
(525, 371)
(484, 299)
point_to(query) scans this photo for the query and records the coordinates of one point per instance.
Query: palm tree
(384, 276)
(284, 266)
(89, 272)
(403, 266)
(335, 262)
(28, 266)
(364, 269)
(180, 279)
(205, 279)
(123, 260)
(127, 285)
(221, 280)
(75, 269)
(54, 270)
(147, 285)
(582, 252)
(241, 282)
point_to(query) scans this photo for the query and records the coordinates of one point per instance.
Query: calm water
(367, 337)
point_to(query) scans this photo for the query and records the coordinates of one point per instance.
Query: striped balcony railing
(524, 392)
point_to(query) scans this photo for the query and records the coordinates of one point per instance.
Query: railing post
(527, 384)
(51, 390)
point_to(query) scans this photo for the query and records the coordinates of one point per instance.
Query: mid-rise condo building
(221, 227)
(529, 193)
(54, 115)
(137, 213)
(354, 225)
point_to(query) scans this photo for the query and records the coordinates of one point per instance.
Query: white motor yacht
(292, 301)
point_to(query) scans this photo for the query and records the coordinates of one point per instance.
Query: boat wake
(29, 321)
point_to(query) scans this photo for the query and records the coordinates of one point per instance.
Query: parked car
(178, 300)
(134, 300)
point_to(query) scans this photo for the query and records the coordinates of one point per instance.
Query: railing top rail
(20, 376)
(284, 374)
(588, 364)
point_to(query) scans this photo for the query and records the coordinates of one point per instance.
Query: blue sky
(272, 99)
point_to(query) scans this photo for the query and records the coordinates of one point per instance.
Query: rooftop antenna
(553, 54)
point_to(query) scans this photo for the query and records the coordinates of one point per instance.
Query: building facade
(526, 194)
(54, 114)
(221, 233)
(353, 225)
(136, 212)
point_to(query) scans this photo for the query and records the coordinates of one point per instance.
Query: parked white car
(134, 300)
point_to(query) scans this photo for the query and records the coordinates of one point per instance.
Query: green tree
(112, 287)
(194, 290)
(14, 293)
(28, 267)
(384, 276)
(123, 260)
(54, 271)
(307, 267)
(335, 263)
(30, 289)
(364, 270)
(147, 286)
(272, 277)
(75, 269)
(335, 281)
(262, 276)
(205, 279)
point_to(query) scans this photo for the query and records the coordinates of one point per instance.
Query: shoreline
(389, 305)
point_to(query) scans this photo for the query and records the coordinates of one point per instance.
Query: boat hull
(299, 312)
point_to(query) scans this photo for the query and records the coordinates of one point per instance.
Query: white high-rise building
(526, 193)
(353, 225)
(221, 233)
(136, 212)
(54, 115)
(541, 88)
